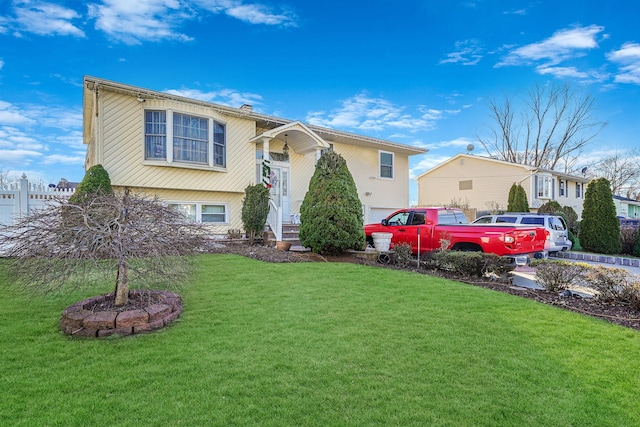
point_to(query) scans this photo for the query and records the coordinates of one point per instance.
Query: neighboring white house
(483, 183)
(627, 208)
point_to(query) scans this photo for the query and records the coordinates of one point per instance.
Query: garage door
(378, 214)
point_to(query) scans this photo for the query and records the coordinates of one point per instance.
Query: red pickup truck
(425, 228)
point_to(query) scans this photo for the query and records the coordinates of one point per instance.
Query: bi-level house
(200, 157)
(483, 183)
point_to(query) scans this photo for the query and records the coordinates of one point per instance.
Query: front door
(280, 184)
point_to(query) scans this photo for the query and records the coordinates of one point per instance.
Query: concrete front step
(290, 233)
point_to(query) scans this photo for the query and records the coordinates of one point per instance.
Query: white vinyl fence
(18, 199)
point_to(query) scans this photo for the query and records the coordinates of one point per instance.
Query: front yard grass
(322, 344)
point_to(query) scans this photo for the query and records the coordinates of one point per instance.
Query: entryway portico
(280, 153)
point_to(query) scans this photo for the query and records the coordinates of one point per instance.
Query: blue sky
(415, 72)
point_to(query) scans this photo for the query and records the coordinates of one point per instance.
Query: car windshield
(398, 219)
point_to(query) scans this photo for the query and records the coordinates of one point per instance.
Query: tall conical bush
(600, 227)
(331, 212)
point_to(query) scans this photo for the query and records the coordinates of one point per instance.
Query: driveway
(525, 276)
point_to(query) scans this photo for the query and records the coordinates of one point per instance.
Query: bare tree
(4, 179)
(80, 244)
(622, 170)
(555, 124)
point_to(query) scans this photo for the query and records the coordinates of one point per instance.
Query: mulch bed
(619, 314)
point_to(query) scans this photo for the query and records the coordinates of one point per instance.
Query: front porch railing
(274, 220)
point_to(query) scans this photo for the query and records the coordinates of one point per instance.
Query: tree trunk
(122, 284)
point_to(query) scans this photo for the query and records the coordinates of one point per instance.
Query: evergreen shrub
(255, 209)
(96, 182)
(331, 212)
(600, 227)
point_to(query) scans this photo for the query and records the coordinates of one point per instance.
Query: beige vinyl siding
(490, 181)
(123, 148)
(364, 167)
(233, 201)
(363, 163)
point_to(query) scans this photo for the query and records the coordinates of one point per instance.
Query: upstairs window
(386, 165)
(543, 186)
(562, 185)
(578, 190)
(187, 139)
(155, 135)
(190, 139)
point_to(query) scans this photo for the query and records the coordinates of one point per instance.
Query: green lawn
(322, 344)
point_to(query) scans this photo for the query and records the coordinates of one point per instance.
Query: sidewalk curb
(607, 259)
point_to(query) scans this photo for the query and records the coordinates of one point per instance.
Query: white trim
(211, 121)
(198, 207)
(197, 166)
(393, 165)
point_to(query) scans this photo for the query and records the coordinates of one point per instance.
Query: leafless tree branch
(71, 245)
(556, 124)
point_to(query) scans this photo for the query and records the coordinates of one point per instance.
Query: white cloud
(562, 45)
(46, 19)
(259, 14)
(562, 72)
(1, 64)
(515, 12)
(63, 159)
(427, 162)
(467, 52)
(628, 59)
(4, 25)
(15, 138)
(251, 13)
(227, 97)
(11, 115)
(132, 22)
(364, 113)
(72, 140)
(458, 142)
(19, 156)
(135, 21)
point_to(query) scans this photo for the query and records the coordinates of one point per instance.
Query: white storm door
(280, 188)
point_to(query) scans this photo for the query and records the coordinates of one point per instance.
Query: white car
(557, 231)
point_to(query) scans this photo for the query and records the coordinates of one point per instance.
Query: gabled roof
(262, 120)
(525, 168)
(301, 139)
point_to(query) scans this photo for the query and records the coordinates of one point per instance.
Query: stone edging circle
(81, 320)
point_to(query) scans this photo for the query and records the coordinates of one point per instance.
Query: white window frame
(169, 141)
(197, 206)
(380, 164)
(543, 186)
